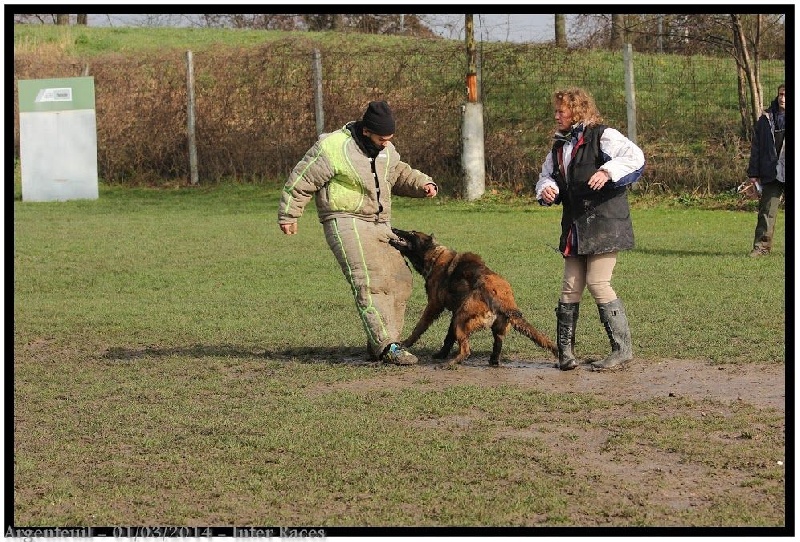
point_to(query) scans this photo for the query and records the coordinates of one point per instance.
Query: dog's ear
(433, 238)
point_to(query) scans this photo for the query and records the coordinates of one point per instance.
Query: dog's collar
(437, 252)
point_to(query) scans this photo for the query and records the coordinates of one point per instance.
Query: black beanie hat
(379, 119)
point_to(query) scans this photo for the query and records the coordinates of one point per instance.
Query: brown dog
(461, 283)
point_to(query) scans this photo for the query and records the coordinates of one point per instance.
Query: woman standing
(587, 172)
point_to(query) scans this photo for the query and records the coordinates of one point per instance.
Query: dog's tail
(523, 326)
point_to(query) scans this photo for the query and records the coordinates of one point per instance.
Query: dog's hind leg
(463, 327)
(499, 330)
(449, 341)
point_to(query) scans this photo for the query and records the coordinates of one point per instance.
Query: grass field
(177, 360)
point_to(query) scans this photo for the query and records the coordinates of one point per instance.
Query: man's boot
(612, 314)
(566, 319)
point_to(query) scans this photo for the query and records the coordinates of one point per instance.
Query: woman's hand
(599, 179)
(549, 194)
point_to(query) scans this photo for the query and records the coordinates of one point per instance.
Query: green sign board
(68, 94)
(58, 139)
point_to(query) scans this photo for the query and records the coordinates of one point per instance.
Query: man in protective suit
(352, 174)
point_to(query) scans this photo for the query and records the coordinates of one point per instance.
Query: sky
(515, 28)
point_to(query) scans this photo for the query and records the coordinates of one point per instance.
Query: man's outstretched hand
(289, 229)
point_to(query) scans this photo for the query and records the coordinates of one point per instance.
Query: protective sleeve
(409, 181)
(310, 174)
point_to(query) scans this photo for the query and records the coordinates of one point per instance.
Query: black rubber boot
(567, 319)
(612, 314)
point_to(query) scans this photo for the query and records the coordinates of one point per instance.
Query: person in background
(588, 171)
(767, 170)
(352, 174)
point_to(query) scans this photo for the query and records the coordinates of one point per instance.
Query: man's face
(379, 140)
(782, 98)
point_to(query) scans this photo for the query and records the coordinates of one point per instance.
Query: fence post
(473, 159)
(319, 112)
(630, 91)
(190, 122)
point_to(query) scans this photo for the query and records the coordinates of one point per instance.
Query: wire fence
(255, 111)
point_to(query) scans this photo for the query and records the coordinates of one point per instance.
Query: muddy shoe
(612, 315)
(397, 355)
(611, 363)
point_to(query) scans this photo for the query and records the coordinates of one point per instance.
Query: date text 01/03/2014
(209, 532)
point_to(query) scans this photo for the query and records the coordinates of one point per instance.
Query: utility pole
(473, 159)
(472, 70)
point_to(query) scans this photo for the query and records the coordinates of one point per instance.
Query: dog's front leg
(463, 352)
(431, 313)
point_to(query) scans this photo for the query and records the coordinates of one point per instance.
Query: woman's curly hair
(581, 103)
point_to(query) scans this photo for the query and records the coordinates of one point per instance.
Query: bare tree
(30, 18)
(257, 21)
(678, 33)
(748, 65)
(741, 92)
(617, 31)
(561, 30)
(323, 21)
(450, 25)
(49, 18)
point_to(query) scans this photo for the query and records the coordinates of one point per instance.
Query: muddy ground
(763, 386)
(662, 479)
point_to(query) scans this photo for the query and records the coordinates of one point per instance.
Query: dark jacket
(593, 221)
(763, 155)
